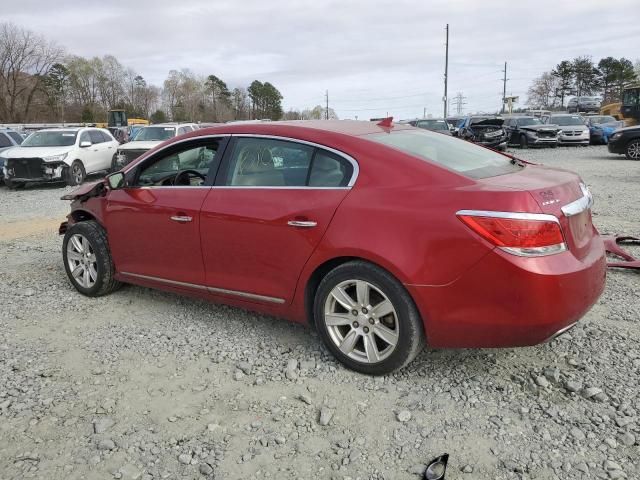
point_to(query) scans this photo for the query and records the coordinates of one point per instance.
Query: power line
(459, 101)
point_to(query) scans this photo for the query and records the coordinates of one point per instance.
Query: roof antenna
(386, 122)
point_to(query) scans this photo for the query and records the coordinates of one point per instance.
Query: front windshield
(458, 155)
(61, 138)
(149, 134)
(567, 120)
(603, 119)
(433, 125)
(523, 122)
(631, 97)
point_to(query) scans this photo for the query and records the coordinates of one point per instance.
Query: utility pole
(326, 112)
(504, 86)
(446, 72)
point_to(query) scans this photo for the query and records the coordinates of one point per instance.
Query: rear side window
(329, 170)
(4, 141)
(450, 152)
(16, 137)
(265, 162)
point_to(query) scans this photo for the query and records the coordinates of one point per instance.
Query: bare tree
(543, 91)
(25, 59)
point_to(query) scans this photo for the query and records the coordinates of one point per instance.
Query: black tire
(75, 174)
(11, 185)
(632, 151)
(104, 266)
(524, 141)
(410, 336)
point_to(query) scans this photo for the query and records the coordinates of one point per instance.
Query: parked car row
(70, 154)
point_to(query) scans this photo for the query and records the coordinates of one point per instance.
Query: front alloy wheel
(81, 260)
(87, 259)
(367, 319)
(633, 150)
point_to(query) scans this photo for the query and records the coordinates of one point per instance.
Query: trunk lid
(553, 189)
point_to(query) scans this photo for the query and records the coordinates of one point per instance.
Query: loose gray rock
(184, 458)
(106, 444)
(628, 439)
(404, 416)
(326, 414)
(205, 469)
(103, 424)
(467, 469)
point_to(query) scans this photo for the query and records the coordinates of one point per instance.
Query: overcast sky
(374, 57)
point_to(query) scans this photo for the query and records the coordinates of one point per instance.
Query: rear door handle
(302, 223)
(181, 218)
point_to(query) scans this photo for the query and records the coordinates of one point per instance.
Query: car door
(153, 223)
(271, 205)
(96, 152)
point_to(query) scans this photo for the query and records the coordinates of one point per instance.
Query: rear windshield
(456, 154)
(59, 138)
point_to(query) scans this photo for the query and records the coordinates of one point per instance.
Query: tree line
(582, 77)
(40, 82)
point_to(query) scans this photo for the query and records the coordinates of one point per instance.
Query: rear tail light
(522, 234)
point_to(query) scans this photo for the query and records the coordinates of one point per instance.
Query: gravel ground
(148, 385)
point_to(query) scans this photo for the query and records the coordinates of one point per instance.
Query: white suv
(59, 154)
(146, 139)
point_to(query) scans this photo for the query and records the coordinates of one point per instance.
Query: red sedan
(384, 238)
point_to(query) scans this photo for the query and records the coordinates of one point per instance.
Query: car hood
(147, 145)
(544, 128)
(494, 122)
(635, 128)
(35, 152)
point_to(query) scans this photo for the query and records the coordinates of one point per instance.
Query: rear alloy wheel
(367, 319)
(87, 260)
(524, 141)
(633, 150)
(76, 174)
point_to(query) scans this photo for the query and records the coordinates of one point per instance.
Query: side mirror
(85, 144)
(115, 180)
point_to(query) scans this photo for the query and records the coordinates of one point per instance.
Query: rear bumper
(509, 301)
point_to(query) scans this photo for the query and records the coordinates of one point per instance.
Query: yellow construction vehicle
(628, 109)
(117, 118)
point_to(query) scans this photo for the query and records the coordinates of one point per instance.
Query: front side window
(188, 166)
(85, 137)
(4, 141)
(60, 138)
(460, 156)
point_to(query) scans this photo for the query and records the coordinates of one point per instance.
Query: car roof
(345, 127)
(62, 129)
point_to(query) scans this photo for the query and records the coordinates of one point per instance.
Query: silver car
(573, 130)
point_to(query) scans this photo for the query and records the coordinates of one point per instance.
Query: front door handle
(302, 223)
(181, 218)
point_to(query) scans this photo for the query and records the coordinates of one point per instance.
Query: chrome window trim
(131, 165)
(214, 290)
(580, 205)
(542, 217)
(349, 158)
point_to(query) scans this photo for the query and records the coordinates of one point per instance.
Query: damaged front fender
(86, 191)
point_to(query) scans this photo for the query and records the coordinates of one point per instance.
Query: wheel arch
(83, 215)
(323, 268)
